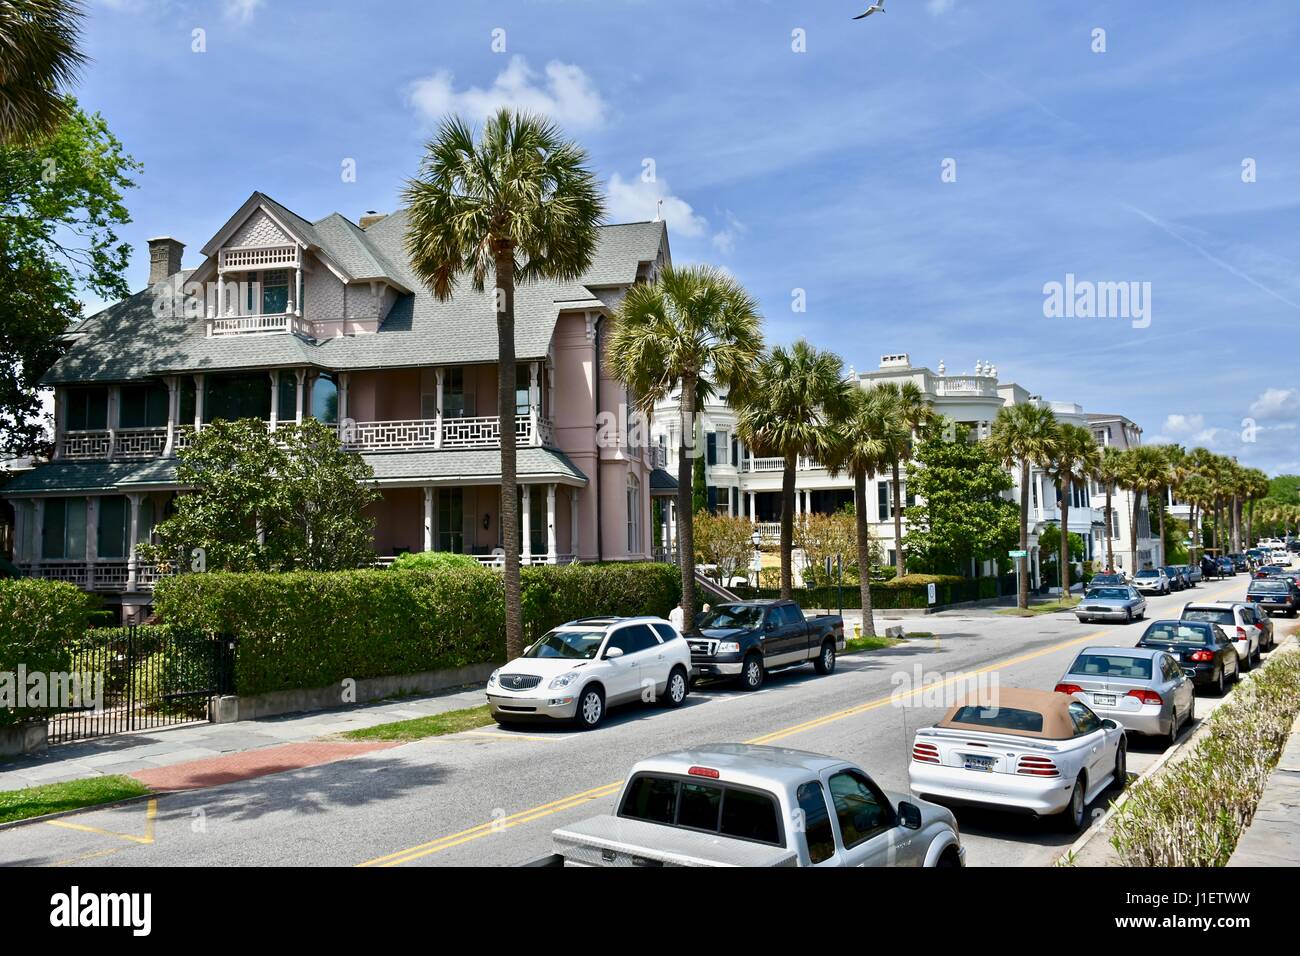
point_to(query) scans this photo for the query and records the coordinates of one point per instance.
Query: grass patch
(435, 725)
(852, 645)
(70, 795)
(1194, 812)
(1047, 607)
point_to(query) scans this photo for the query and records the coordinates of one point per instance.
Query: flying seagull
(877, 7)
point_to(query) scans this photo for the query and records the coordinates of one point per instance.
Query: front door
(865, 820)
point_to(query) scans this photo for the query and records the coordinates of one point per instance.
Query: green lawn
(1048, 607)
(71, 795)
(435, 725)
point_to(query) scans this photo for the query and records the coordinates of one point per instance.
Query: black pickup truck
(749, 638)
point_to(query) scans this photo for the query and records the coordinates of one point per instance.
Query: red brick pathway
(214, 771)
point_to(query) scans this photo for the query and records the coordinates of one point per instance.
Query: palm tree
(38, 60)
(1021, 436)
(914, 412)
(867, 438)
(1257, 488)
(1174, 457)
(1075, 455)
(695, 329)
(796, 393)
(1108, 471)
(1144, 472)
(519, 204)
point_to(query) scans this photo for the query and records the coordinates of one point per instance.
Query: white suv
(1238, 622)
(577, 670)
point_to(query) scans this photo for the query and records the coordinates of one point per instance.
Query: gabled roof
(127, 341)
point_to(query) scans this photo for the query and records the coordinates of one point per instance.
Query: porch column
(297, 287)
(428, 519)
(133, 532)
(798, 503)
(60, 420)
(173, 410)
(573, 522)
(300, 377)
(753, 507)
(343, 397)
(114, 418)
(20, 530)
(527, 537)
(92, 539)
(534, 399)
(275, 399)
(198, 402)
(38, 530)
(670, 526)
(551, 549)
(437, 412)
(221, 294)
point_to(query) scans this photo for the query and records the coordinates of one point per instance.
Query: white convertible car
(1036, 752)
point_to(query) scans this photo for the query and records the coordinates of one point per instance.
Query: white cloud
(1274, 402)
(724, 240)
(938, 8)
(566, 95)
(636, 200)
(242, 10)
(1184, 424)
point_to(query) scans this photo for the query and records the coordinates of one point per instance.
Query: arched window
(325, 400)
(633, 514)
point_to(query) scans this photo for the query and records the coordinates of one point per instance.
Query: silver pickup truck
(744, 805)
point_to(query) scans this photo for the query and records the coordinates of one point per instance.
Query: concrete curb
(45, 818)
(1287, 644)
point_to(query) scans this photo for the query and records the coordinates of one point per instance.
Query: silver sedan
(1143, 689)
(1111, 602)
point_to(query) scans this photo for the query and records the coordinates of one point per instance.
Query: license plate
(1104, 700)
(984, 764)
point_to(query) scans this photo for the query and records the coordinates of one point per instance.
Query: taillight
(925, 753)
(1203, 655)
(1146, 696)
(1241, 633)
(704, 772)
(1037, 767)
(1069, 689)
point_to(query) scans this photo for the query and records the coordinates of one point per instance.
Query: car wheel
(677, 688)
(1221, 685)
(1236, 671)
(949, 859)
(1121, 766)
(1076, 811)
(751, 676)
(591, 708)
(1244, 665)
(1171, 738)
(825, 663)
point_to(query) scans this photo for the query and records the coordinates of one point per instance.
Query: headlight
(728, 647)
(564, 680)
(492, 678)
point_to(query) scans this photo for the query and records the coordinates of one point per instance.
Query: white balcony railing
(120, 444)
(978, 386)
(107, 576)
(778, 464)
(257, 325)
(243, 258)
(423, 434)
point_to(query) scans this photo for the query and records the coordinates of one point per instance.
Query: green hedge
(39, 621)
(910, 591)
(307, 629)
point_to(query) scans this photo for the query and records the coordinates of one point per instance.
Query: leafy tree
(1075, 455)
(795, 396)
(262, 501)
(1023, 436)
(962, 513)
(60, 208)
(830, 538)
(725, 543)
(38, 60)
(518, 204)
(1049, 543)
(696, 330)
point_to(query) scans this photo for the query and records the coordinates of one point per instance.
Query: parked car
(1280, 556)
(1270, 543)
(1268, 570)
(743, 805)
(1177, 580)
(1035, 752)
(1192, 572)
(1267, 640)
(579, 669)
(1201, 648)
(1239, 561)
(1237, 620)
(1118, 602)
(1152, 581)
(1144, 689)
(1293, 546)
(1274, 595)
(1227, 567)
(1108, 577)
(748, 639)
(1210, 568)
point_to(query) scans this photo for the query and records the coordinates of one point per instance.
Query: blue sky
(817, 170)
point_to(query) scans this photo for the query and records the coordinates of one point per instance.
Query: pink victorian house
(286, 318)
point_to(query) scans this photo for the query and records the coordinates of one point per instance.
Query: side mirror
(612, 653)
(527, 648)
(1110, 724)
(769, 625)
(909, 816)
(1189, 673)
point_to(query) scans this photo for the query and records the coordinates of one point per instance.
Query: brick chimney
(371, 217)
(164, 258)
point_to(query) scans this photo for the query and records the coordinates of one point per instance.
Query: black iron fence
(141, 678)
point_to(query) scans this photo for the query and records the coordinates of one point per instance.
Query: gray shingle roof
(662, 483)
(74, 476)
(127, 341)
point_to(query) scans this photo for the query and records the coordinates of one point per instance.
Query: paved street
(491, 797)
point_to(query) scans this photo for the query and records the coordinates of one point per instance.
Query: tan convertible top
(1052, 706)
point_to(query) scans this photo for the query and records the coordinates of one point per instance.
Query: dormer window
(275, 292)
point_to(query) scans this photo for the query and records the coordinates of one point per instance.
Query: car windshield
(1112, 665)
(1147, 574)
(1107, 579)
(1268, 586)
(1175, 632)
(579, 645)
(1215, 615)
(1108, 594)
(732, 615)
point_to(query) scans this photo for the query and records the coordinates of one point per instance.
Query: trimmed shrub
(39, 621)
(433, 560)
(306, 629)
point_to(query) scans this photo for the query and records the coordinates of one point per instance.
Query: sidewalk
(153, 749)
(1273, 837)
